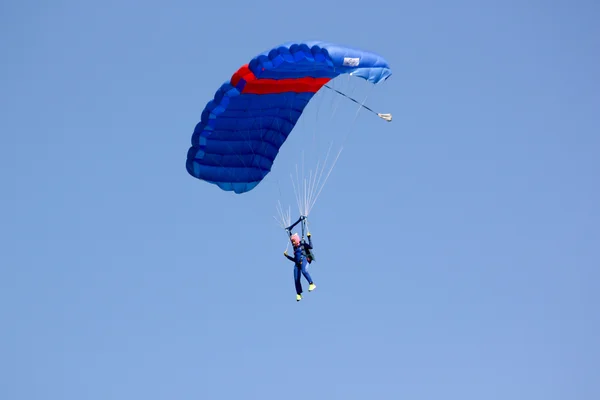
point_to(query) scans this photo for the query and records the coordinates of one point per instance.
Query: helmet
(295, 239)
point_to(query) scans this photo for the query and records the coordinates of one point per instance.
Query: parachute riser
(302, 220)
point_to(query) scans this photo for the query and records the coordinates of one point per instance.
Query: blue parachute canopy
(242, 129)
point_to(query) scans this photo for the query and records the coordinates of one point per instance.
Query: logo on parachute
(351, 62)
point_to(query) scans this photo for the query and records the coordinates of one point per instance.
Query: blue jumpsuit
(300, 267)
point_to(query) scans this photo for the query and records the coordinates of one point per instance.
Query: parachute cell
(250, 117)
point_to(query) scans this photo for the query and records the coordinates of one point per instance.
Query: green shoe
(311, 287)
(298, 297)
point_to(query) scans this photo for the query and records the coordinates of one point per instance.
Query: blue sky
(457, 246)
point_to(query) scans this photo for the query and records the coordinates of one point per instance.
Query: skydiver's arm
(289, 257)
(309, 245)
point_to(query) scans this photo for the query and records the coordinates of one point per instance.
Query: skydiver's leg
(311, 285)
(297, 281)
(305, 272)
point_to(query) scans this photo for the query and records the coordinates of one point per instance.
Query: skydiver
(300, 261)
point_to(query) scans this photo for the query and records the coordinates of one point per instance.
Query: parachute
(242, 129)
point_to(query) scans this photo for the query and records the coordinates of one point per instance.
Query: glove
(285, 253)
(308, 234)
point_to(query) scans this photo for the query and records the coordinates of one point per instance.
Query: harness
(308, 253)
